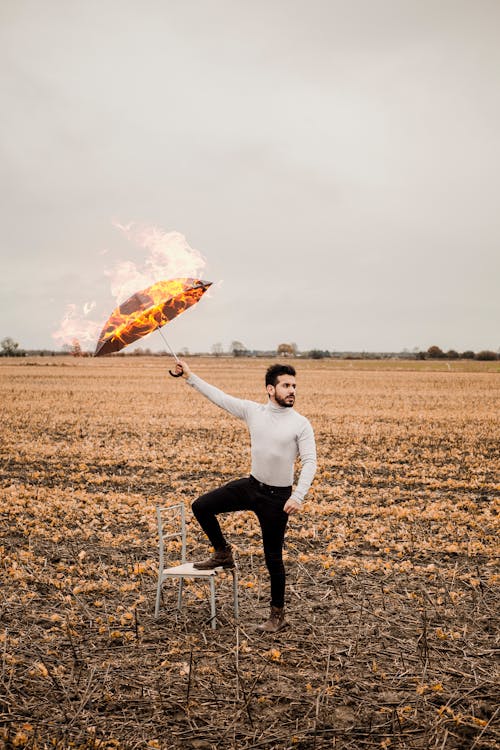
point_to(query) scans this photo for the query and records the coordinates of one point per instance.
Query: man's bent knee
(202, 504)
(197, 505)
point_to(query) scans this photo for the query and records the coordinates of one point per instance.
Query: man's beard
(284, 401)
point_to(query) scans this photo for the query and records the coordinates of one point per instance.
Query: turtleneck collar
(276, 408)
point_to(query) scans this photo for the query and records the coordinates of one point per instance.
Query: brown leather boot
(276, 621)
(222, 558)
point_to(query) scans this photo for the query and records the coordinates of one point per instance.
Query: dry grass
(392, 584)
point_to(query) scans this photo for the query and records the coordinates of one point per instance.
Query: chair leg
(158, 595)
(179, 596)
(235, 593)
(212, 603)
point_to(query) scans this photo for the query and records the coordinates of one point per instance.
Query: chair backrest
(171, 521)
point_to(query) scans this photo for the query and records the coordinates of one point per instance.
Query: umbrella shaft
(168, 345)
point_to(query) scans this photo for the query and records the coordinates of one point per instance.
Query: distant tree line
(237, 349)
(10, 348)
(434, 352)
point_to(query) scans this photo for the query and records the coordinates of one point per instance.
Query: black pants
(267, 504)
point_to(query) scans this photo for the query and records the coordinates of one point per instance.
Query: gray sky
(337, 163)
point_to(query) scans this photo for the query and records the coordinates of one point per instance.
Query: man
(278, 435)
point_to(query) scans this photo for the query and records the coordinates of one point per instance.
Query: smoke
(167, 255)
(75, 327)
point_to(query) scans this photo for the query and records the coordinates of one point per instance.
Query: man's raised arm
(235, 406)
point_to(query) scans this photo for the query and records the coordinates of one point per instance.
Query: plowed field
(392, 567)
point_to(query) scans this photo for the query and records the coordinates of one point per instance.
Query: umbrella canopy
(147, 310)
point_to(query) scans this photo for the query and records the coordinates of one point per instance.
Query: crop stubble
(392, 577)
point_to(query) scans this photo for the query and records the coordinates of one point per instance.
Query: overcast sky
(336, 162)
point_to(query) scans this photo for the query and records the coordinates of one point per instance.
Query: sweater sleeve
(307, 453)
(235, 406)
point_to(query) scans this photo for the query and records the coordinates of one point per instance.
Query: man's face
(283, 393)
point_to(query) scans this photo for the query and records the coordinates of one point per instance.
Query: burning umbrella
(149, 310)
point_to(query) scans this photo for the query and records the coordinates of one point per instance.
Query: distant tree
(468, 354)
(76, 349)
(434, 352)
(184, 352)
(287, 350)
(10, 348)
(238, 349)
(217, 349)
(486, 355)
(452, 354)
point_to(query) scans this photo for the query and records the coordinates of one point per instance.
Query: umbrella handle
(175, 374)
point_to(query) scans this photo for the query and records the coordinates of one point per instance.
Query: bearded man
(278, 435)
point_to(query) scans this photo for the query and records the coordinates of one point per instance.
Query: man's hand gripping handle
(181, 370)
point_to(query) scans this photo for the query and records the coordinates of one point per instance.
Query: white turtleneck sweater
(278, 435)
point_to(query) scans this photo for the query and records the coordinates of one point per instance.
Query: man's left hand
(292, 506)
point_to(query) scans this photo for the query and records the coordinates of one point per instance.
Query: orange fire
(167, 256)
(147, 310)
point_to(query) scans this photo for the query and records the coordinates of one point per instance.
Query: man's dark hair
(275, 371)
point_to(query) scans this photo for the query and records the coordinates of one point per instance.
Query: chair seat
(188, 570)
(168, 518)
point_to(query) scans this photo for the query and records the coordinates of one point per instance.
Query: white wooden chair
(173, 518)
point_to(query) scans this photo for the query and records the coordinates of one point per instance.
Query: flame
(167, 255)
(147, 310)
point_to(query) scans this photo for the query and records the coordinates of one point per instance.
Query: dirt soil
(392, 567)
